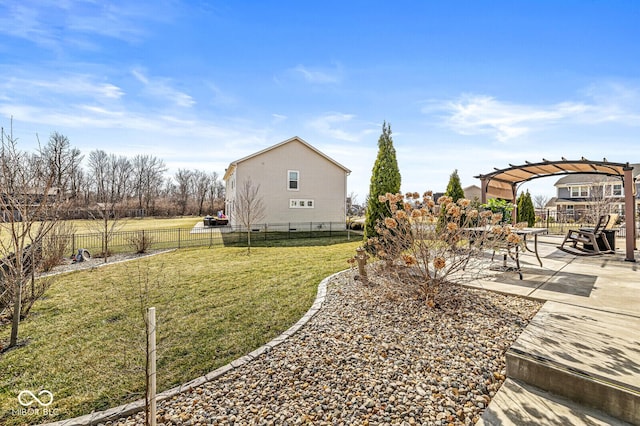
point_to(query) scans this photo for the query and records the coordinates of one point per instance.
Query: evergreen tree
(526, 211)
(454, 188)
(385, 178)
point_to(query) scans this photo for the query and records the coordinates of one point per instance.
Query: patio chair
(592, 239)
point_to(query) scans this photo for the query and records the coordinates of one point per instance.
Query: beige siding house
(298, 185)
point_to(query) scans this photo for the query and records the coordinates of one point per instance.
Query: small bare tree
(29, 208)
(539, 203)
(600, 198)
(351, 207)
(250, 207)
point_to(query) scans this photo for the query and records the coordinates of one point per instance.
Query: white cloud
(56, 24)
(72, 85)
(319, 76)
(278, 118)
(162, 88)
(474, 114)
(333, 124)
(479, 114)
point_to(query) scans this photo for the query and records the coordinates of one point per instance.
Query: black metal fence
(561, 227)
(201, 236)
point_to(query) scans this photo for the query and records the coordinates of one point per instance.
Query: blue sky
(466, 85)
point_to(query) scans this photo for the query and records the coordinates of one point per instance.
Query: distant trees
(385, 178)
(131, 185)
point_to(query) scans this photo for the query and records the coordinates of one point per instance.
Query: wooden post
(151, 365)
(629, 213)
(361, 257)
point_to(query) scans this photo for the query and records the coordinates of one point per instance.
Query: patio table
(524, 233)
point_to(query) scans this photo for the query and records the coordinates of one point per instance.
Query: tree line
(137, 185)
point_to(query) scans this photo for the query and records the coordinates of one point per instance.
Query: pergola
(503, 183)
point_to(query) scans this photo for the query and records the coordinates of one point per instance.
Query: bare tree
(539, 204)
(601, 198)
(184, 179)
(351, 211)
(98, 170)
(63, 161)
(201, 184)
(111, 177)
(29, 207)
(540, 201)
(215, 193)
(147, 179)
(250, 207)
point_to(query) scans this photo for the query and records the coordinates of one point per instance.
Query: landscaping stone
(371, 355)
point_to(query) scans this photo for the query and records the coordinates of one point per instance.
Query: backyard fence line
(199, 236)
(561, 228)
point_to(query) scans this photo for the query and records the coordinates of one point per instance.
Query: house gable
(297, 182)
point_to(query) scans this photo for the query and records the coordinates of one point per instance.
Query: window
(616, 189)
(294, 180)
(579, 191)
(301, 204)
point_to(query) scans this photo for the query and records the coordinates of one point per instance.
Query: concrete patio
(578, 361)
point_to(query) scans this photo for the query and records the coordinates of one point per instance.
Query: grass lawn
(135, 224)
(85, 339)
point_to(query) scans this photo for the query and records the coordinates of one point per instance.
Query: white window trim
(579, 188)
(611, 186)
(289, 180)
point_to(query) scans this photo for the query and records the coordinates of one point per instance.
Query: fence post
(151, 365)
(179, 232)
(73, 243)
(265, 232)
(547, 218)
(310, 229)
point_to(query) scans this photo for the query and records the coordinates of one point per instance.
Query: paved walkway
(587, 332)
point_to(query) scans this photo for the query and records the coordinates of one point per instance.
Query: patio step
(519, 404)
(588, 356)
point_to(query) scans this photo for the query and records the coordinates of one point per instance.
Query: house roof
(235, 163)
(501, 181)
(552, 202)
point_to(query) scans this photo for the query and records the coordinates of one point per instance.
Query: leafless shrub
(56, 245)
(426, 244)
(141, 242)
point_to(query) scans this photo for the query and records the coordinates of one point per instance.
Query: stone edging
(136, 406)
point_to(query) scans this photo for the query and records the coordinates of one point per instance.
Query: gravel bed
(371, 356)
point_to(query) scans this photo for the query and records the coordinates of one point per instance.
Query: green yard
(85, 339)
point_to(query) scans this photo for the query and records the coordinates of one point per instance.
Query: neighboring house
(27, 200)
(473, 193)
(551, 209)
(298, 184)
(583, 196)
